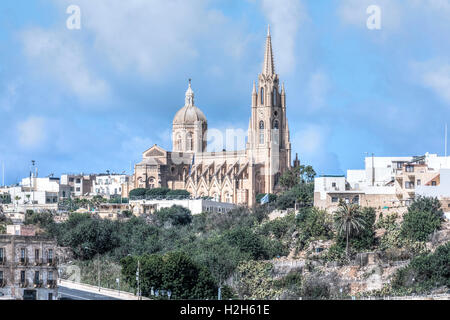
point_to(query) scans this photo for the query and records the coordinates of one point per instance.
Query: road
(73, 294)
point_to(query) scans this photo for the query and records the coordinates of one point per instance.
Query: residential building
(36, 194)
(109, 185)
(28, 268)
(80, 184)
(196, 206)
(385, 183)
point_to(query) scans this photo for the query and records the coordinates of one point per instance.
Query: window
(190, 146)
(275, 124)
(355, 200)
(419, 182)
(36, 277)
(36, 255)
(433, 183)
(22, 255)
(409, 185)
(333, 184)
(50, 296)
(70, 179)
(262, 95)
(22, 276)
(178, 142)
(261, 132)
(274, 97)
(409, 169)
(399, 165)
(2, 256)
(1, 276)
(50, 256)
(78, 180)
(334, 199)
(78, 189)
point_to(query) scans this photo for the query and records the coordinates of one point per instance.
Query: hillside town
(248, 224)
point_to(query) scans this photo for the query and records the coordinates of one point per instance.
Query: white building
(196, 206)
(384, 183)
(108, 185)
(36, 194)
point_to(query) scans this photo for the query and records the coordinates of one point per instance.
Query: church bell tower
(268, 142)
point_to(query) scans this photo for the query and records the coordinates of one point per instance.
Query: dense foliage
(154, 193)
(424, 216)
(174, 271)
(425, 272)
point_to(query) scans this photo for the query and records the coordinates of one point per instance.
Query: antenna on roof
(445, 139)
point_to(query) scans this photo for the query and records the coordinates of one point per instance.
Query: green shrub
(424, 216)
(140, 192)
(425, 272)
(176, 215)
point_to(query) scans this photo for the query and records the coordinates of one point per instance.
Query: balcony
(23, 261)
(23, 283)
(51, 284)
(38, 262)
(52, 262)
(38, 283)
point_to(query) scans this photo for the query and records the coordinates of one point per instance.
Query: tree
(302, 194)
(424, 216)
(174, 271)
(176, 215)
(140, 192)
(348, 221)
(297, 175)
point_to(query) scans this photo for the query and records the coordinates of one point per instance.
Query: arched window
(189, 142)
(262, 95)
(276, 125)
(274, 97)
(228, 198)
(216, 197)
(261, 132)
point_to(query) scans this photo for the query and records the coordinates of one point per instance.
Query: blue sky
(94, 99)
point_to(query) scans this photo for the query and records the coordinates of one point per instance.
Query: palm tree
(348, 220)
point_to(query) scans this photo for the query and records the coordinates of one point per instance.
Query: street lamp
(138, 272)
(98, 265)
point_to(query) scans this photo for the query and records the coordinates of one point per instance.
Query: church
(227, 176)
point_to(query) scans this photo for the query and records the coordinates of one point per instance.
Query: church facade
(227, 176)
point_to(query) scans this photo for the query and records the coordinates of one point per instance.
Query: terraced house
(28, 268)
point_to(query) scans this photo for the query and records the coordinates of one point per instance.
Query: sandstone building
(28, 268)
(228, 176)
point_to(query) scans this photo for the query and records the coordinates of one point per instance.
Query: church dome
(189, 114)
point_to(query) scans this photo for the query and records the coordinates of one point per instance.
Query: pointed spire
(282, 89)
(268, 67)
(189, 101)
(254, 88)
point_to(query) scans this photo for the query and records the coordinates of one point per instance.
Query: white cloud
(285, 18)
(59, 56)
(32, 132)
(434, 75)
(148, 36)
(9, 96)
(318, 88)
